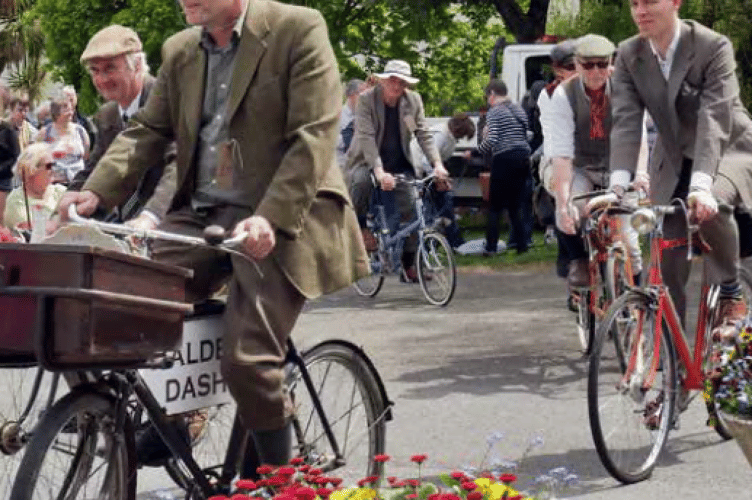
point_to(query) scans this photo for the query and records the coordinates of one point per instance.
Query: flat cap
(594, 46)
(562, 52)
(110, 42)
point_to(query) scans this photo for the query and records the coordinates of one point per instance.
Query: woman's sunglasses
(588, 65)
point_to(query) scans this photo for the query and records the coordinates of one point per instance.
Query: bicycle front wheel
(437, 271)
(631, 387)
(585, 321)
(370, 285)
(77, 452)
(355, 410)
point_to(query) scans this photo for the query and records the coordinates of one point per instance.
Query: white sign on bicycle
(195, 380)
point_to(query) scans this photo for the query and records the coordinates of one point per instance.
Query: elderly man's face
(654, 18)
(208, 13)
(112, 77)
(595, 71)
(394, 87)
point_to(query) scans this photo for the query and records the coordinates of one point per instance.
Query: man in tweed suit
(684, 75)
(119, 71)
(251, 96)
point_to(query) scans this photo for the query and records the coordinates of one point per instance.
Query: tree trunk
(528, 26)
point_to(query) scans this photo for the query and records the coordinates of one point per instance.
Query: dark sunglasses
(48, 165)
(568, 67)
(588, 65)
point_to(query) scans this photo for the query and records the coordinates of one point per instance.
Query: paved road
(502, 358)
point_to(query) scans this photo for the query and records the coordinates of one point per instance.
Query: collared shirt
(666, 63)
(132, 107)
(214, 127)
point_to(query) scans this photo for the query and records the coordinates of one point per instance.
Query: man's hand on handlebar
(260, 238)
(602, 201)
(86, 203)
(386, 181)
(702, 205)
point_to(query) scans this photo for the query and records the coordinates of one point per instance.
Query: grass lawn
(473, 227)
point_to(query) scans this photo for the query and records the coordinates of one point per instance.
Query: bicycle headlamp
(643, 220)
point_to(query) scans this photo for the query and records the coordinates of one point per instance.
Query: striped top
(507, 131)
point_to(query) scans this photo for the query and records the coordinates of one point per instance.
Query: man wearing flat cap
(579, 147)
(387, 116)
(250, 93)
(119, 71)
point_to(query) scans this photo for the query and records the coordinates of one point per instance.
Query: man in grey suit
(386, 118)
(118, 68)
(684, 74)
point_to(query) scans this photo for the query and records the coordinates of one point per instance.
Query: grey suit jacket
(698, 112)
(369, 130)
(157, 187)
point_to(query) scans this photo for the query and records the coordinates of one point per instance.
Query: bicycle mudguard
(388, 403)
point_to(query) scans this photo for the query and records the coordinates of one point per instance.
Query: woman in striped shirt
(505, 137)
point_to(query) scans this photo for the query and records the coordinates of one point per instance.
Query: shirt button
(212, 149)
(222, 86)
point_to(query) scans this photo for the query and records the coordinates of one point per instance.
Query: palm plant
(21, 48)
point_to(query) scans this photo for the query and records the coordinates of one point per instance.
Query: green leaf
(449, 480)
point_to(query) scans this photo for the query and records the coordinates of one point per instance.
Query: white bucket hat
(400, 69)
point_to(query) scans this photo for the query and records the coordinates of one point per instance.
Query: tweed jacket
(697, 112)
(369, 130)
(157, 187)
(283, 113)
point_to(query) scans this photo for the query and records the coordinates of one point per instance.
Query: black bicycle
(84, 444)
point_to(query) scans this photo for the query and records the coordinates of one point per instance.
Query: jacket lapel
(192, 95)
(250, 51)
(682, 61)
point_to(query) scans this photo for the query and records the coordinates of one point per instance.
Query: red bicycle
(634, 383)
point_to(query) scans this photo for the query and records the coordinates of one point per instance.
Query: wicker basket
(741, 429)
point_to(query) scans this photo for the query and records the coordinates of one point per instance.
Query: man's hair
(136, 61)
(353, 86)
(460, 125)
(497, 87)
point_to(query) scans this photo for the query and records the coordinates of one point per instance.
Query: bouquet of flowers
(729, 388)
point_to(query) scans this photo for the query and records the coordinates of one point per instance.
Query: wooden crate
(102, 308)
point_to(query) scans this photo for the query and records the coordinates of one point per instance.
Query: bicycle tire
(15, 429)
(339, 371)
(585, 323)
(629, 423)
(75, 450)
(437, 271)
(370, 285)
(618, 275)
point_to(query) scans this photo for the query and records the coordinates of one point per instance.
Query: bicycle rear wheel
(77, 453)
(370, 285)
(437, 271)
(631, 387)
(20, 410)
(348, 389)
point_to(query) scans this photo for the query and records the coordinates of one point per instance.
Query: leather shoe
(579, 274)
(369, 240)
(409, 275)
(731, 311)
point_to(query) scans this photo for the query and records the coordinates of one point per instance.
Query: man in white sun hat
(387, 117)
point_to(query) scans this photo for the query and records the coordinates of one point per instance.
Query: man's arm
(311, 130)
(100, 147)
(422, 134)
(365, 131)
(627, 111)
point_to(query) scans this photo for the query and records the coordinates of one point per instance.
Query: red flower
(276, 481)
(434, 496)
(305, 493)
(469, 486)
(398, 484)
(458, 475)
(381, 458)
(218, 497)
(449, 496)
(264, 469)
(336, 481)
(245, 484)
(261, 483)
(296, 461)
(413, 482)
(487, 475)
(411, 496)
(315, 472)
(286, 471)
(240, 496)
(418, 459)
(474, 495)
(391, 479)
(323, 492)
(507, 478)
(516, 497)
(304, 468)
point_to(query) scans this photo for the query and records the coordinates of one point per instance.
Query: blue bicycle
(435, 266)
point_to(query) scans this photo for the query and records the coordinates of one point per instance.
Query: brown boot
(369, 240)
(579, 274)
(731, 310)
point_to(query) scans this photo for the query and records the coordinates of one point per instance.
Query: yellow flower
(353, 494)
(492, 490)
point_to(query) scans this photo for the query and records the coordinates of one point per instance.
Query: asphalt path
(501, 361)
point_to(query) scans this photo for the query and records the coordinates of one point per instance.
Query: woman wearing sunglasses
(36, 192)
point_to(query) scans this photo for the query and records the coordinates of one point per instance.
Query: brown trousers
(262, 308)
